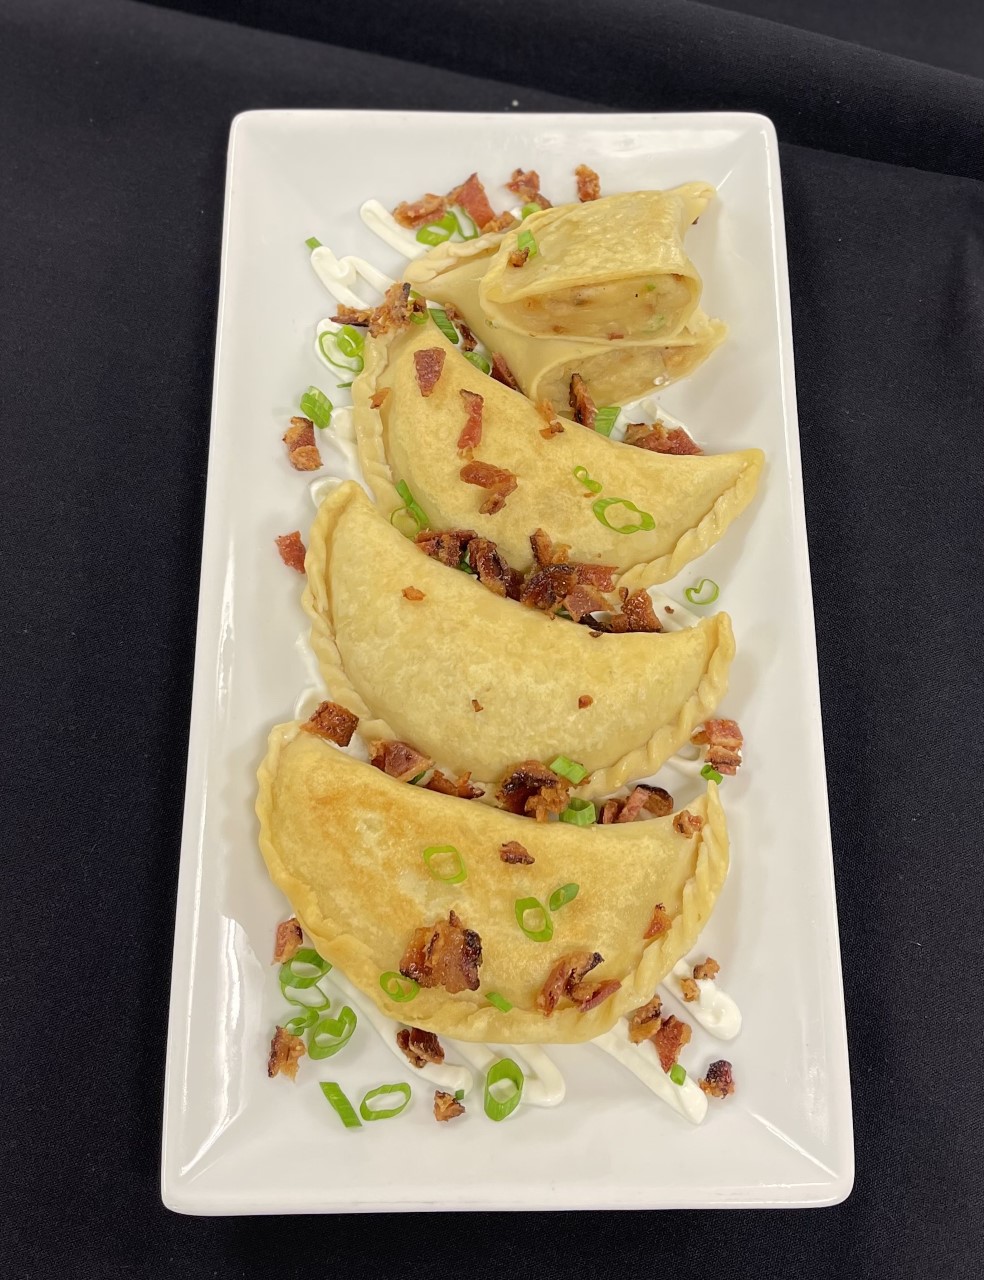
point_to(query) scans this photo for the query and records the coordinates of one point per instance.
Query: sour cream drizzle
(714, 1010)
(687, 1099)
(340, 275)
(382, 223)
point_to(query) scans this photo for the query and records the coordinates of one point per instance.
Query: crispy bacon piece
(609, 812)
(413, 593)
(292, 550)
(518, 257)
(637, 614)
(554, 425)
(687, 823)
(582, 406)
(584, 701)
(719, 1081)
(653, 799)
(395, 311)
(446, 545)
(546, 588)
(658, 801)
(724, 741)
(501, 222)
(661, 439)
(502, 373)
(476, 705)
(588, 183)
(526, 185)
(446, 1105)
(286, 1052)
(445, 954)
(427, 366)
(516, 854)
(332, 721)
(660, 922)
(471, 197)
(689, 990)
(645, 1020)
(545, 551)
(420, 1047)
(288, 940)
(418, 213)
(587, 998)
(398, 759)
(530, 787)
(471, 432)
(302, 452)
(707, 971)
(358, 316)
(669, 1039)
(497, 480)
(487, 562)
(565, 977)
(463, 789)
(595, 575)
(583, 601)
(378, 397)
(634, 804)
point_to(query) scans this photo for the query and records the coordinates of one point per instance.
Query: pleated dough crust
(410, 669)
(344, 843)
(693, 500)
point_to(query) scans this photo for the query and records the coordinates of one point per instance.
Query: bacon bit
(659, 924)
(526, 185)
(332, 721)
(645, 1020)
(588, 183)
(518, 257)
(587, 1000)
(582, 406)
(595, 575)
(286, 1052)
(530, 787)
(545, 551)
(724, 741)
(446, 1105)
(637, 614)
(427, 367)
(687, 823)
(668, 608)
(497, 480)
(471, 432)
(585, 700)
(302, 452)
(359, 316)
(689, 990)
(516, 854)
(411, 593)
(554, 425)
(492, 570)
(719, 1081)
(547, 588)
(420, 1047)
(292, 550)
(609, 812)
(378, 397)
(471, 197)
(288, 940)
(564, 977)
(462, 788)
(398, 759)
(444, 954)
(447, 545)
(502, 223)
(476, 705)
(502, 373)
(395, 311)
(419, 213)
(468, 340)
(634, 805)
(583, 601)
(670, 1039)
(659, 801)
(707, 971)
(661, 439)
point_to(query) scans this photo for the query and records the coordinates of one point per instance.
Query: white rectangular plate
(236, 1142)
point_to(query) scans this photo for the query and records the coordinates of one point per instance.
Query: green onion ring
(328, 342)
(592, 486)
(313, 242)
(397, 987)
(341, 1029)
(560, 897)
(504, 1069)
(601, 505)
(440, 318)
(479, 361)
(710, 773)
(693, 592)
(572, 770)
(527, 209)
(457, 871)
(316, 406)
(342, 1107)
(306, 955)
(384, 1113)
(605, 419)
(309, 997)
(350, 341)
(677, 1073)
(458, 215)
(301, 1021)
(525, 905)
(526, 240)
(580, 813)
(498, 1002)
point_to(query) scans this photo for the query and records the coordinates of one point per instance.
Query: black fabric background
(114, 119)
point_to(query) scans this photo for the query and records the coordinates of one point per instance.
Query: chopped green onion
(592, 486)
(289, 975)
(330, 344)
(649, 286)
(478, 361)
(677, 1073)
(527, 209)
(397, 987)
(422, 774)
(601, 505)
(465, 567)
(384, 1113)
(458, 1094)
(523, 907)
(304, 998)
(440, 318)
(313, 242)
(605, 419)
(462, 220)
(350, 341)
(498, 1002)
(343, 1108)
(301, 1021)
(710, 773)
(693, 592)
(572, 770)
(560, 897)
(526, 240)
(411, 510)
(505, 1070)
(343, 385)
(453, 874)
(417, 317)
(331, 1034)
(579, 812)
(439, 231)
(316, 406)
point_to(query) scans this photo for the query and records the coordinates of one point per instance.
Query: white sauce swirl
(382, 223)
(714, 1009)
(686, 1099)
(543, 1084)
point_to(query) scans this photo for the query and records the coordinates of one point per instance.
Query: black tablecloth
(115, 118)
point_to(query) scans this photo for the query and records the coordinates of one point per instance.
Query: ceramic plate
(237, 1142)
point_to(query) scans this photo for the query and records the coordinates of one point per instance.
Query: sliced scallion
(440, 318)
(500, 1103)
(600, 508)
(316, 406)
(313, 242)
(677, 1074)
(314, 970)
(526, 240)
(417, 316)
(330, 344)
(312, 998)
(560, 897)
(300, 1022)
(437, 857)
(397, 987)
(479, 361)
(328, 1035)
(528, 906)
(696, 594)
(497, 1001)
(411, 510)
(341, 1105)
(383, 1091)
(580, 813)
(592, 486)
(710, 773)
(570, 769)
(437, 232)
(605, 419)
(527, 209)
